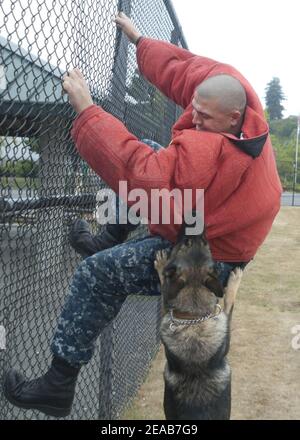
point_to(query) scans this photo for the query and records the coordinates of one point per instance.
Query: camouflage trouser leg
(98, 289)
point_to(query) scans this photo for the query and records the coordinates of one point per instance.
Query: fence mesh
(290, 178)
(45, 185)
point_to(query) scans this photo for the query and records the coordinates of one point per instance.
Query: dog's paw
(237, 273)
(161, 256)
(235, 278)
(161, 259)
(232, 289)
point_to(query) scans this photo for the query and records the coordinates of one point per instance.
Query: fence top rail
(81, 200)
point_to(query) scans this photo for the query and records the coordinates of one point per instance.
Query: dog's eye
(170, 271)
(213, 284)
(212, 275)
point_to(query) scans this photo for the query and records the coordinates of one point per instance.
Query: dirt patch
(265, 366)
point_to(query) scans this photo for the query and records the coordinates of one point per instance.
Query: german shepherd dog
(195, 332)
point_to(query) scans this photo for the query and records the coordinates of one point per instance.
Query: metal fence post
(118, 83)
(171, 109)
(294, 183)
(175, 21)
(296, 160)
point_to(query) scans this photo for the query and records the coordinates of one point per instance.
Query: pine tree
(274, 97)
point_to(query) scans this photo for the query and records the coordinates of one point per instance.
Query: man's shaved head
(226, 90)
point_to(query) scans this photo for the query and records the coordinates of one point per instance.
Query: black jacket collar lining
(253, 147)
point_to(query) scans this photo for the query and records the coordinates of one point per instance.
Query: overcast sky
(258, 37)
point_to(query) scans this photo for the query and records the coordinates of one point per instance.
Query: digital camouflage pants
(99, 287)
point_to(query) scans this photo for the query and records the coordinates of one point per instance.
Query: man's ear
(235, 116)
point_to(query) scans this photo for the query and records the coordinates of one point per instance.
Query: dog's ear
(215, 286)
(182, 232)
(181, 235)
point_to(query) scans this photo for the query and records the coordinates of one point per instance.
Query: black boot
(52, 394)
(87, 244)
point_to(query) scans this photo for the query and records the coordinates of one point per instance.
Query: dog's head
(189, 273)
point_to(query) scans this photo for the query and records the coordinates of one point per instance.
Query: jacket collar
(255, 133)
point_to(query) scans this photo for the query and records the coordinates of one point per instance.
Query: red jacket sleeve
(116, 154)
(174, 71)
(177, 72)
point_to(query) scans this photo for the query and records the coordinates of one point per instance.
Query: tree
(19, 168)
(274, 97)
(32, 144)
(285, 128)
(283, 134)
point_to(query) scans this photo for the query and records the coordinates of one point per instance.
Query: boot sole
(48, 410)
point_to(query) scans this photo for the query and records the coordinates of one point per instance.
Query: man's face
(207, 116)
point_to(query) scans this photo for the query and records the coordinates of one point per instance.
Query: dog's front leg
(232, 289)
(160, 263)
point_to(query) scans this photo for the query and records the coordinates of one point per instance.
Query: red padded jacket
(239, 176)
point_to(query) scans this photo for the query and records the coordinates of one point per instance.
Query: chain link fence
(45, 185)
(290, 180)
